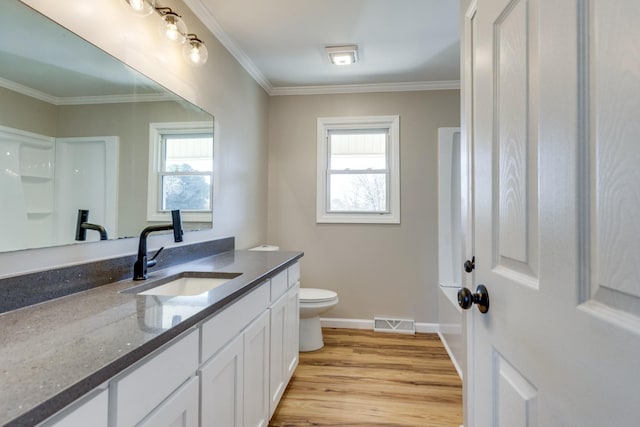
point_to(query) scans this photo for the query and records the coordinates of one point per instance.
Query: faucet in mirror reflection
(82, 225)
(142, 263)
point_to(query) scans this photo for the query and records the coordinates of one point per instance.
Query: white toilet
(313, 302)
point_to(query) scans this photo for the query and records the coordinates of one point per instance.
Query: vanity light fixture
(172, 25)
(194, 50)
(174, 28)
(141, 7)
(342, 55)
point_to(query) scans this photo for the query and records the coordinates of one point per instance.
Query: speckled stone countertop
(54, 352)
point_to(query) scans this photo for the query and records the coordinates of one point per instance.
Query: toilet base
(310, 334)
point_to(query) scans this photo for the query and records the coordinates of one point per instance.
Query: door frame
(466, 137)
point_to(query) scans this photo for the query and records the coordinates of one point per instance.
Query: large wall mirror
(76, 129)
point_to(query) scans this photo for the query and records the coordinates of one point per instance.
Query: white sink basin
(186, 286)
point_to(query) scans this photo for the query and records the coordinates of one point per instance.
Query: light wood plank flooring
(362, 378)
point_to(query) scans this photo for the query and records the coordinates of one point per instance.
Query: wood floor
(362, 378)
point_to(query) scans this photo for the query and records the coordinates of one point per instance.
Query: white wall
(221, 87)
(377, 270)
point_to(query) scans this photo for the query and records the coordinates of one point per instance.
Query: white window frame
(156, 130)
(327, 124)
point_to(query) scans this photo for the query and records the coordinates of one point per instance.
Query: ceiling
(402, 44)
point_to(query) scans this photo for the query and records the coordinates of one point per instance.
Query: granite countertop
(54, 352)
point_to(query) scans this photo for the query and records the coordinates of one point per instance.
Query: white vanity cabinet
(250, 351)
(285, 320)
(235, 375)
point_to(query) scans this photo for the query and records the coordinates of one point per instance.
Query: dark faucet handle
(176, 225)
(153, 261)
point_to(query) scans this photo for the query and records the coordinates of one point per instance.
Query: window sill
(185, 216)
(344, 218)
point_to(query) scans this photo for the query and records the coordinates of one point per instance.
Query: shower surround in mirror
(46, 180)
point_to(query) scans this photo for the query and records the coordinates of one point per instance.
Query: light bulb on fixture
(195, 51)
(172, 25)
(141, 7)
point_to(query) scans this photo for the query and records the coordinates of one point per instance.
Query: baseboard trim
(426, 328)
(450, 353)
(346, 323)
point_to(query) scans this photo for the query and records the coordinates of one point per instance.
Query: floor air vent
(398, 326)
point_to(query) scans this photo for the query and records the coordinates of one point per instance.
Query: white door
(557, 229)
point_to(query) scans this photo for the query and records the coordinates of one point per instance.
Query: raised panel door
(178, 410)
(557, 96)
(292, 331)
(277, 366)
(256, 372)
(222, 387)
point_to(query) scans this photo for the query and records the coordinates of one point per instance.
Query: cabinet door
(223, 387)
(292, 331)
(277, 363)
(256, 372)
(179, 410)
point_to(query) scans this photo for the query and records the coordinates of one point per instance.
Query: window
(358, 170)
(180, 171)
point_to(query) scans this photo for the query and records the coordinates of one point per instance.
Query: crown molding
(84, 100)
(25, 90)
(207, 18)
(365, 88)
(117, 99)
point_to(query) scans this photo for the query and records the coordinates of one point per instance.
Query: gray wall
(41, 118)
(377, 270)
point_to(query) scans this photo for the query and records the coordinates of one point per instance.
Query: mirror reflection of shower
(46, 180)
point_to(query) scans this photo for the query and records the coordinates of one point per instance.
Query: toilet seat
(310, 295)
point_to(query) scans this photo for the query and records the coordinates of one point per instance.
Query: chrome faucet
(141, 264)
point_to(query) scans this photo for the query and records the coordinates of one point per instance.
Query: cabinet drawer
(278, 285)
(141, 390)
(223, 326)
(294, 274)
(90, 410)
